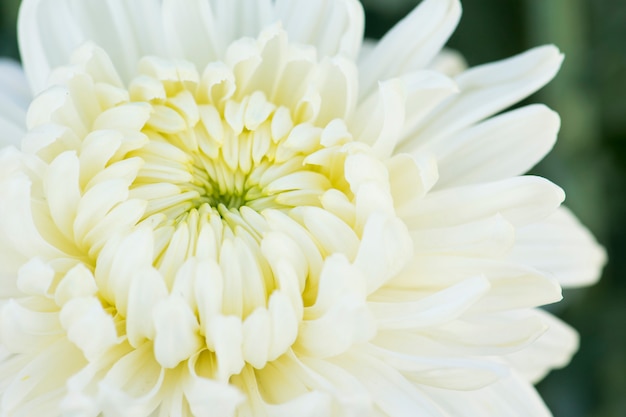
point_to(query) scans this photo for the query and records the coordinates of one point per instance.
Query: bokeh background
(589, 161)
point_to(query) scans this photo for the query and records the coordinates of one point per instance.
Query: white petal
(560, 245)
(380, 125)
(25, 330)
(411, 177)
(35, 277)
(391, 392)
(49, 31)
(488, 89)
(146, 290)
(435, 309)
(445, 372)
(487, 334)
(224, 336)
(509, 397)
(88, 326)
(411, 44)
(119, 261)
(192, 31)
(448, 62)
(501, 147)
(345, 323)
(132, 385)
(399, 105)
(177, 332)
(512, 285)
(491, 237)
(384, 250)
(18, 230)
(207, 397)
(47, 35)
(520, 200)
(333, 27)
(553, 349)
(330, 232)
(62, 188)
(61, 359)
(78, 282)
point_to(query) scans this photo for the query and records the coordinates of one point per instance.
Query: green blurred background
(589, 161)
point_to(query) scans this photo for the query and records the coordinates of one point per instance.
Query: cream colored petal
(520, 200)
(177, 332)
(562, 246)
(449, 62)
(486, 334)
(200, 31)
(283, 388)
(411, 44)
(385, 248)
(512, 285)
(391, 392)
(431, 310)
(207, 397)
(509, 397)
(486, 90)
(50, 30)
(61, 185)
(18, 230)
(146, 290)
(339, 318)
(88, 326)
(387, 115)
(30, 386)
(491, 237)
(411, 177)
(501, 147)
(333, 27)
(25, 330)
(446, 372)
(133, 384)
(553, 349)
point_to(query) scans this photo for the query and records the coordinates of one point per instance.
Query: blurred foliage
(589, 160)
(8, 37)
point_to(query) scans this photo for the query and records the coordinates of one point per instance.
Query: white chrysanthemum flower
(226, 208)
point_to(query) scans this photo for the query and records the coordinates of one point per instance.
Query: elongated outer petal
(200, 31)
(561, 246)
(50, 30)
(520, 200)
(385, 248)
(486, 90)
(14, 99)
(332, 26)
(391, 392)
(401, 103)
(553, 349)
(446, 372)
(411, 44)
(504, 146)
(509, 397)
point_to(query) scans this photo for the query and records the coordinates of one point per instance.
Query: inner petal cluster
(224, 217)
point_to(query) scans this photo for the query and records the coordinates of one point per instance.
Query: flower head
(232, 209)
